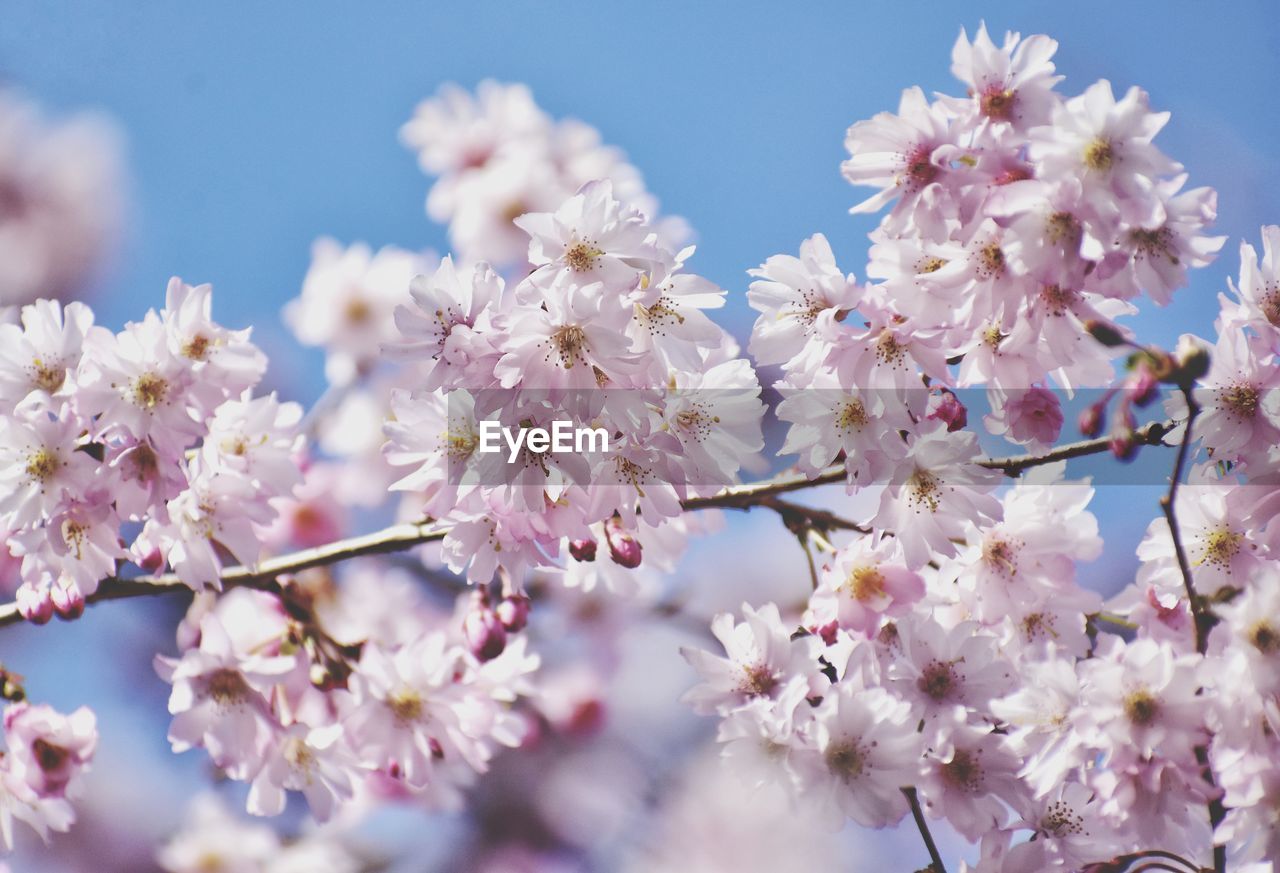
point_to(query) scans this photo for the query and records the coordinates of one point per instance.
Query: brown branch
(1170, 514)
(400, 537)
(1201, 617)
(1152, 434)
(264, 575)
(935, 859)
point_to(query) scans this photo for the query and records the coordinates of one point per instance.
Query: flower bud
(152, 561)
(1107, 334)
(1143, 386)
(11, 686)
(948, 408)
(1124, 444)
(1192, 356)
(1093, 419)
(34, 604)
(583, 550)
(624, 548)
(513, 612)
(68, 601)
(585, 719)
(484, 633)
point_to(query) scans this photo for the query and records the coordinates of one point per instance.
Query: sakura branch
(266, 574)
(1202, 618)
(935, 858)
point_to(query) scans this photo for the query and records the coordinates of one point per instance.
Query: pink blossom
(449, 326)
(314, 761)
(798, 297)
(60, 216)
(862, 753)
(1011, 84)
(347, 303)
(863, 584)
(49, 750)
(936, 491)
(762, 660)
(44, 352)
(40, 465)
(1031, 417)
(221, 699)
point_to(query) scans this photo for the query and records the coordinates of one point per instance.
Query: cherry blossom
(453, 630)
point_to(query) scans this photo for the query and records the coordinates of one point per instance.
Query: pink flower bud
(1170, 610)
(583, 550)
(68, 601)
(585, 719)
(946, 406)
(1093, 419)
(152, 561)
(624, 548)
(1124, 441)
(484, 633)
(513, 612)
(1124, 444)
(1143, 386)
(34, 604)
(312, 523)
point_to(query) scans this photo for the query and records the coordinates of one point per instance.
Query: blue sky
(255, 127)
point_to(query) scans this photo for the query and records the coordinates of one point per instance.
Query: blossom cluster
(364, 695)
(586, 314)
(497, 155)
(1018, 217)
(947, 662)
(982, 686)
(609, 332)
(155, 425)
(949, 657)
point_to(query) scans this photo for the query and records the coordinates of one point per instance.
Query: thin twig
(917, 813)
(1201, 618)
(401, 537)
(263, 576)
(1151, 434)
(1170, 515)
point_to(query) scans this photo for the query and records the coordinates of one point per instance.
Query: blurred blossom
(60, 201)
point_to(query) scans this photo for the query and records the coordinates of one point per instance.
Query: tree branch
(263, 576)
(1151, 434)
(935, 859)
(400, 537)
(1201, 618)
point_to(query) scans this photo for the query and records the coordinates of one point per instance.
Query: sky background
(253, 128)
